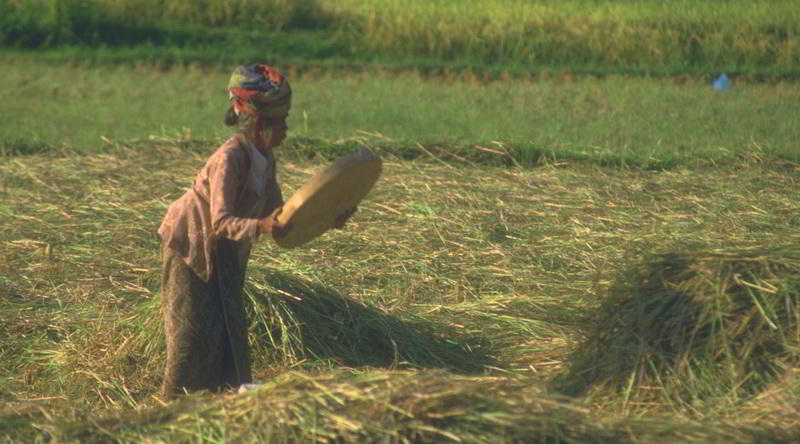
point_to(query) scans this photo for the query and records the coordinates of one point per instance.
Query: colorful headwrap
(260, 90)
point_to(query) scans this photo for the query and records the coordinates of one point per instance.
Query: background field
(753, 38)
(575, 238)
(645, 121)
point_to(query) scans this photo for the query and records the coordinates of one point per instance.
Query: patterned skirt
(205, 322)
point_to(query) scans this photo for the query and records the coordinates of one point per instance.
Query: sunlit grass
(752, 37)
(456, 304)
(637, 121)
(450, 304)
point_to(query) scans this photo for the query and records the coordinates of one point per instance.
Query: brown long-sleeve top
(235, 188)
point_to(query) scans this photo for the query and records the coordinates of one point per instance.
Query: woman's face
(274, 131)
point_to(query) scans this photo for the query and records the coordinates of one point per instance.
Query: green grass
(648, 122)
(757, 38)
(449, 308)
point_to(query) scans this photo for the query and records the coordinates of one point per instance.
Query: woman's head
(260, 100)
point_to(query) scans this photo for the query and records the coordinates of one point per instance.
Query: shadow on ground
(299, 320)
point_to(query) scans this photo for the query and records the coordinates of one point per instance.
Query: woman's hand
(341, 219)
(273, 226)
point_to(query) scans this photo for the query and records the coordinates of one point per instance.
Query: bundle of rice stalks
(392, 407)
(296, 321)
(686, 329)
(377, 406)
(776, 408)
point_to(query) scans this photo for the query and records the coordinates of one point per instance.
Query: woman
(207, 234)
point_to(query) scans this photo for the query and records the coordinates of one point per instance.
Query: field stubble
(445, 310)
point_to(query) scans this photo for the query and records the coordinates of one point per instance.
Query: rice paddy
(575, 237)
(464, 302)
(756, 37)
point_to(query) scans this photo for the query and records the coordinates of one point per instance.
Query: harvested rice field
(587, 228)
(565, 302)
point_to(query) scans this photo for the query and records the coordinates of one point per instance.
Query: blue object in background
(722, 83)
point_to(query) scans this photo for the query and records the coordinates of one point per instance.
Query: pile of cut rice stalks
(694, 329)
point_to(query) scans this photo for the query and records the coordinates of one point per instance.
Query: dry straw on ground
(396, 407)
(445, 311)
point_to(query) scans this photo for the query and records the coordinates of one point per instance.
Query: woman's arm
(274, 197)
(224, 177)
